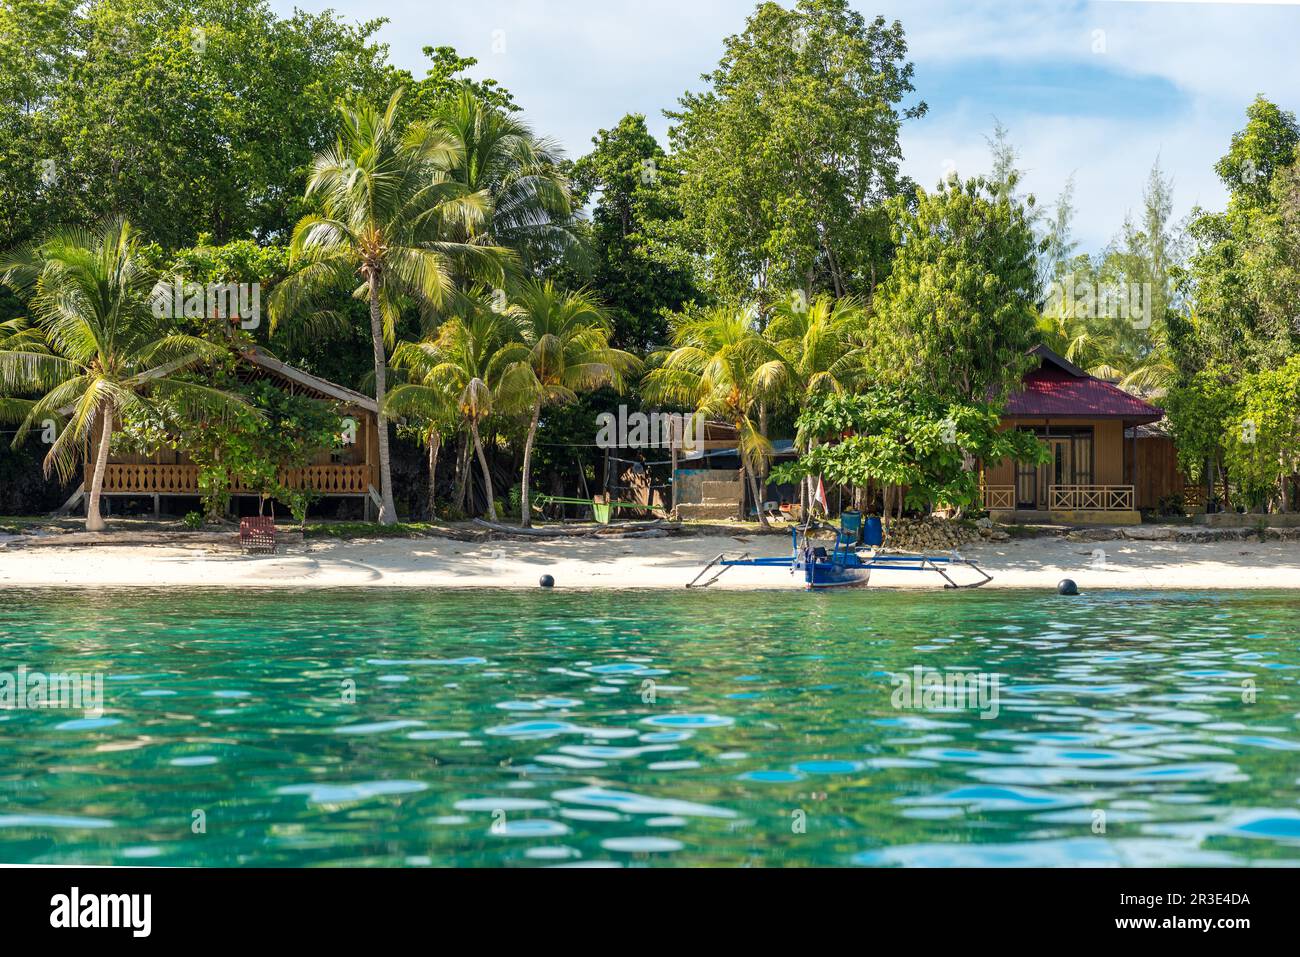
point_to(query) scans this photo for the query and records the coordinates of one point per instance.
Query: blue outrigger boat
(848, 564)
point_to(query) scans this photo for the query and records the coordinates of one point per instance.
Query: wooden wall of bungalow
(1159, 476)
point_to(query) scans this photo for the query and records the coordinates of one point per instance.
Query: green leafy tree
(722, 367)
(918, 447)
(1266, 145)
(642, 274)
(389, 206)
(443, 82)
(958, 313)
(820, 343)
(1200, 412)
(1272, 262)
(789, 153)
(563, 350)
(36, 49)
(183, 117)
(105, 353)
(1263, 445)
(344, 356)
(1246, 315)
(1242, 324)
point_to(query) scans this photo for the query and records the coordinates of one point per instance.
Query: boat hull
(822, 575)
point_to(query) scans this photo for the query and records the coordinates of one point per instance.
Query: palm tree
(498, 155)
(461, 364)
(432, 406)
(392, 216)
(723, 367)
(102, 354)
(1100, 352)
(563, 350)
(819, 343)
(18, 335)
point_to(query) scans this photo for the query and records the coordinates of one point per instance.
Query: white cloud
(577, 66)
(1109, 160)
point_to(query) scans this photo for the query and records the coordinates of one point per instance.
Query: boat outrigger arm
(844, 566)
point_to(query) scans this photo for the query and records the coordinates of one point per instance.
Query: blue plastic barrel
(875, 531)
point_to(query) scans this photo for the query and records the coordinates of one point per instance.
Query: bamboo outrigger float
(847, 564)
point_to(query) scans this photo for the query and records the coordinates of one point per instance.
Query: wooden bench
(257, 534)
(600, 511)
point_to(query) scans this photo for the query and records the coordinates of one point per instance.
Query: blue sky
(1095, 89)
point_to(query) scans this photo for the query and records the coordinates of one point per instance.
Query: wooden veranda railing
(998, 496)
(1101, 498)
(150, 479)
(325, 479)
(154, 479)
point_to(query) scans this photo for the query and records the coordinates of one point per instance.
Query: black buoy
(547, 581)
(1066, 586)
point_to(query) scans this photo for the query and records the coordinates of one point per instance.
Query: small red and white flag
(820, 495)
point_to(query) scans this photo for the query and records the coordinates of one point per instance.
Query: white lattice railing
(1099, 498)
(998, 496)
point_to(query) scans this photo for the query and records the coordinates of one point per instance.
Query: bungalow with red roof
(1092, 429)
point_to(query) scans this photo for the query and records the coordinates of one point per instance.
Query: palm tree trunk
(435, 444)
(462, 473)
(387, 510)
(758, 502)
(487, 475)
(95, 521)
(526, 516)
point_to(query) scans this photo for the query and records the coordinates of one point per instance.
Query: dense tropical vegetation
(418, 241)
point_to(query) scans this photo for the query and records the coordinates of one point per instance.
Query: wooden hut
(1097, 469)
(349, 472)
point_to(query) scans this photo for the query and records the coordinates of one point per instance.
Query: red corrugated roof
(1051, 390)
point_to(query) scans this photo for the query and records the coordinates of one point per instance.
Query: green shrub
(1172, 505)
(193, 521)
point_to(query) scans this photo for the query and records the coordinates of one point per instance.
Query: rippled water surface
(491, 728)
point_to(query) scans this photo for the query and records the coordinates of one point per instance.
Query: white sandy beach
(1037, 563)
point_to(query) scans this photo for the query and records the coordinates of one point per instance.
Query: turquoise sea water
(398, 727)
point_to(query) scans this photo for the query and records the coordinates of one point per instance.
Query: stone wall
(708, 487)
(1249, 520)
